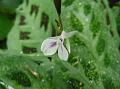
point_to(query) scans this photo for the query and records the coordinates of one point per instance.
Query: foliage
(33, 18)
(7, 10)
(94, 61)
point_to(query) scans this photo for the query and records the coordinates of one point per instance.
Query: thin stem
(59, 26)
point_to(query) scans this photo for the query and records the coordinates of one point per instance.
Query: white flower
(56, 44)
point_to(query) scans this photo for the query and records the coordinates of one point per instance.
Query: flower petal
(63, 34)
(62, 53)
(70, 34)
(49, 46)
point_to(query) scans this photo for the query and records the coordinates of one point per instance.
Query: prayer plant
(62, 44)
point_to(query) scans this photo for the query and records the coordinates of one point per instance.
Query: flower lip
(53, 44)
(49, 46)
